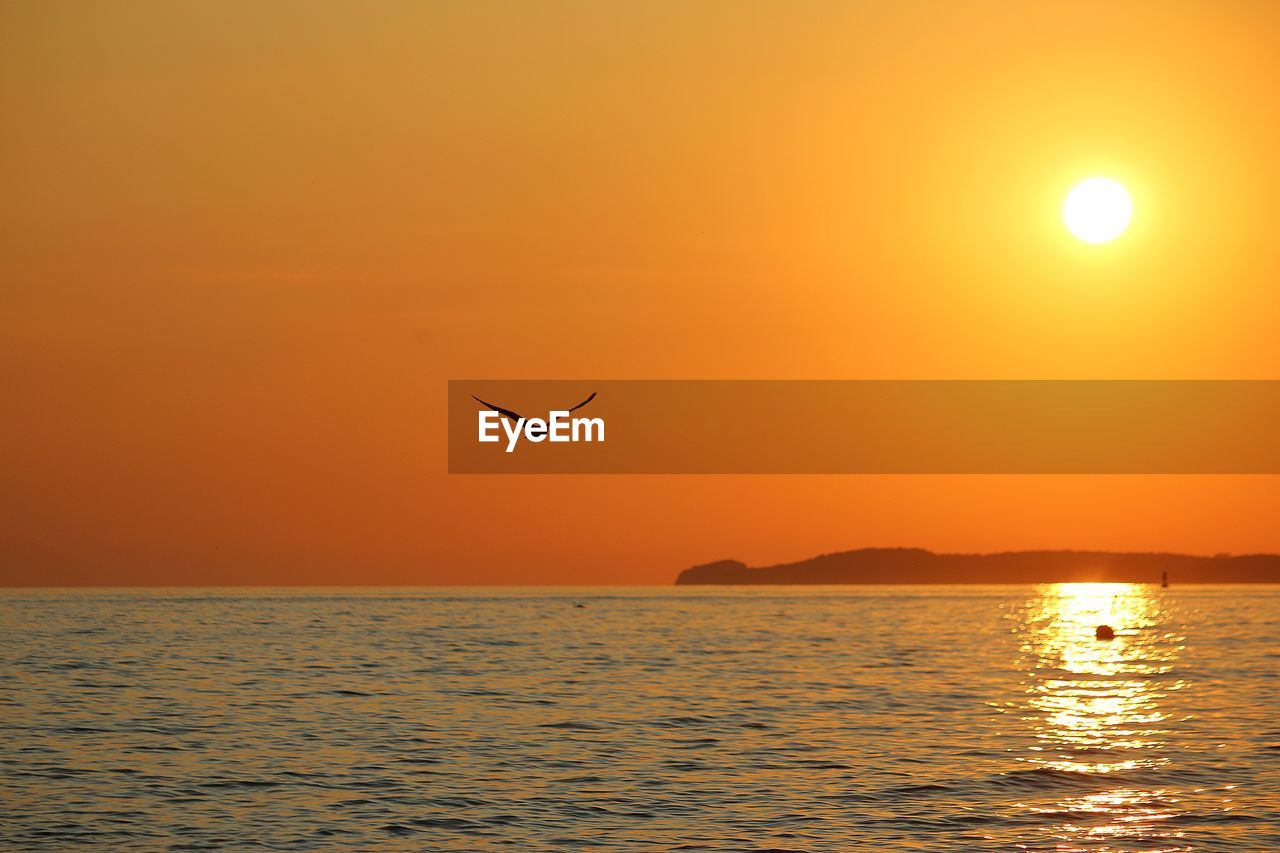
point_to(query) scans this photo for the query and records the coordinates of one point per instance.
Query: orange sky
(244, 246)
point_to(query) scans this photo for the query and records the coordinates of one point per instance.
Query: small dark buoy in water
(1104, 632)
(576, 604)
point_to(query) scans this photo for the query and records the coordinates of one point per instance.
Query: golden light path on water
(1100, 707)
(877, 718)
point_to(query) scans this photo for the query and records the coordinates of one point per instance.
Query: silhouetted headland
(916, 565)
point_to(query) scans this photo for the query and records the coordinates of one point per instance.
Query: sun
(1097, 210)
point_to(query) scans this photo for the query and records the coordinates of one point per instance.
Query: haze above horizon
(245, 246)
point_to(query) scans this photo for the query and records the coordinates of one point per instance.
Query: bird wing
(499, 409)
(584, 402)
(516, 417)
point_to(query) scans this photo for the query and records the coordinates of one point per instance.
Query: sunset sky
(244, 246)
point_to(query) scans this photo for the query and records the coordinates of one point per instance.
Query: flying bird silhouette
(515, 417)
(497, 409)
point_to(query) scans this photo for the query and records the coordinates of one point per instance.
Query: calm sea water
(806, 719)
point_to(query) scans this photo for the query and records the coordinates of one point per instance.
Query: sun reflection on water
(1097, 707)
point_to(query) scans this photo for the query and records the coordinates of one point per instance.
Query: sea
(880, 718)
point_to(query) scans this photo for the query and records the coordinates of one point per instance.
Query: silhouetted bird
(515, 417)
(507, 412)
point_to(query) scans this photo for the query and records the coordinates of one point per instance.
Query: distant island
(916, 565)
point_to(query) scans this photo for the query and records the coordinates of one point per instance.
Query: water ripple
(812, 719)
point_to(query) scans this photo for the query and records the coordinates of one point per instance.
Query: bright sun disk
(1097, 210)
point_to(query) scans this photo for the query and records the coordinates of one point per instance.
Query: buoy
(1104, 632)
